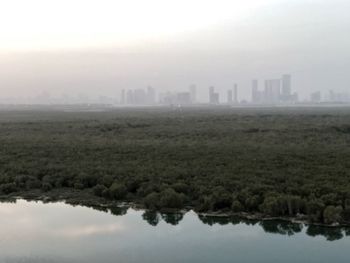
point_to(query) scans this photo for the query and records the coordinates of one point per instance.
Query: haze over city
(94, 49)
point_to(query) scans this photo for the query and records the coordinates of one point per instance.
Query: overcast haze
(100, 47)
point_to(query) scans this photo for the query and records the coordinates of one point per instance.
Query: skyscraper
(272, 91)
(193, 92)
(213, 96)
(122, 97)
(235, 93)
(286, 92)
(140, 96)
(255, 91)
(229, 97)
(130, 97)
(151, 95)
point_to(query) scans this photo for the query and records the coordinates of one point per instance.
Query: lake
(57, 232)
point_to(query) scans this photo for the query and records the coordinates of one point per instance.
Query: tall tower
(235, 93)
(255, 91)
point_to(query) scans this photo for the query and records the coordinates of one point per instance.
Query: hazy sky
(98, 47)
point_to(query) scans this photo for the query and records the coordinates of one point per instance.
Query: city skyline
(272, 91)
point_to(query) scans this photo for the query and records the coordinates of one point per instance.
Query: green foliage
(315, 209)
(280, 162)
(171, 199)
(237, 206)
(221, 199)
(117, 191)
(8, 188)
(100, 190)
(151, 201)
(332, 214)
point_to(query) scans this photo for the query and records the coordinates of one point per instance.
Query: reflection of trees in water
(330, 233)
(211, 220)
(173, 218)
(347, 231)
(234, 220)
(8, 200)
(281, 227)
(269, 226)
(100, 208)
(151, 217)
(119, 211)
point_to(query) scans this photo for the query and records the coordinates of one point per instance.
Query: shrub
(171, 199)
(99, 190)
(332, 214)
(8, 188)
(117, 191)
(151, 201)
(236, 206)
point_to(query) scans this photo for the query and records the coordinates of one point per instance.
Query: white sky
(55, 24)
(98, 47)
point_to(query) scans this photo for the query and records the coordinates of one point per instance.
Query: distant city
(276, 91)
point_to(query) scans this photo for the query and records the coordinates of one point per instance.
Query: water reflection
(330, 233)
(151, 217)
(56, 232)
(282, 227)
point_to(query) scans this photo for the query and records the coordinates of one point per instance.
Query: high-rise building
(255, 91)
(338, 97)
(183, 98)
(295, 97)
(315, 97)
(272, 91)
(193, 92)
(167, 98)
(130, 97)
(122, 97)
(235, 93)
(213, 96)
(211, 93)
(139, 96)
(286, 92)
(229, 97)
(151, 95)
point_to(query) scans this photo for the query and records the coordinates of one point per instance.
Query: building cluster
(232, 95)
(148, 97)
(275, 91)
(330, 97)
(179, 98)
(139, 96)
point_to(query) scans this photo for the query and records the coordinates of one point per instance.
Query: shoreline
(84, 198)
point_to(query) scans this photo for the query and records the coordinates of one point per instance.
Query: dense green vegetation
(275, 162)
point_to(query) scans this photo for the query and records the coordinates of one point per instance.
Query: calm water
(56, 232)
